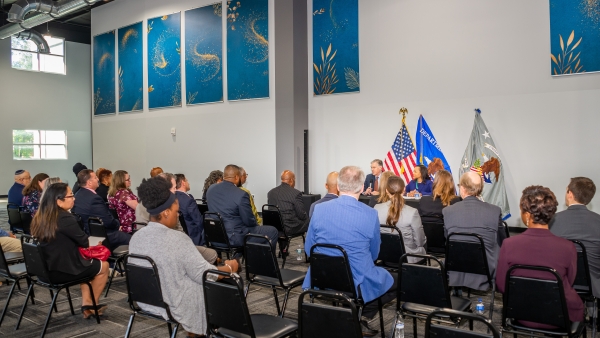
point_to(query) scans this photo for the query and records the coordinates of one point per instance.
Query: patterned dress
(31, 202)
(125, 213)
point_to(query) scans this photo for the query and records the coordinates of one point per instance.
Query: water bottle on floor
(398, 328)
(299, 251)
(479, 307)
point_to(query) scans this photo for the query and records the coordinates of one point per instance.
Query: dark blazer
(577, 222)
(541, 247)
(15, 194)
(193, 218)
(370, 181)
(474, 216)
(62, 253)
(431, 210)
(102, 191)
(327, 197)
(88, 204)
(233, 204)
(290, 204)
(76, 187)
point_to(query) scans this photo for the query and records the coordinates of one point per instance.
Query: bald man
(473, 215)
(290, 204)
(332, 191)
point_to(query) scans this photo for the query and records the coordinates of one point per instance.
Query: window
(39, 145)
(25, 55)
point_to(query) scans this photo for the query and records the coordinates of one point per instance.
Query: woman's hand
(99, 243)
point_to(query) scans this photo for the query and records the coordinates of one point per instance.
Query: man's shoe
(366, 330)
(239, 261)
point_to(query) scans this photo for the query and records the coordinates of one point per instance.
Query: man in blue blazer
(233, 204)
(89, 204)
(332, 191)
(371, 185)
(189, 209)
(354, 226)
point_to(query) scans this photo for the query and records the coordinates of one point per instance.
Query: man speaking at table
(372, 180)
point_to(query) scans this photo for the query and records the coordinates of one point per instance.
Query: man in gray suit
(474, 216)
(577, 222)
(290, 204)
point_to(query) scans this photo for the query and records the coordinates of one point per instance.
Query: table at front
(408, 201)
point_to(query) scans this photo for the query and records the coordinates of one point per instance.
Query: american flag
(402, 158)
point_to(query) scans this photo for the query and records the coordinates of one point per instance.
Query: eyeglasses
(128, 180)
(70, 196)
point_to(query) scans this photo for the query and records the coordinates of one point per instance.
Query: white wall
(208, 136)
(442, 59)
(33, 100)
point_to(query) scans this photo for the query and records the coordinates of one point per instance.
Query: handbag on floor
(99, 252)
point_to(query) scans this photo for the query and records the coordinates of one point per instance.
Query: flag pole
(403, 112)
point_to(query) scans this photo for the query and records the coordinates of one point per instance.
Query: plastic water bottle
(299, 251)
(398, 328)
(479, 307)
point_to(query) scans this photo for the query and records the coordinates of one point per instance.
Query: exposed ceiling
(75, 27)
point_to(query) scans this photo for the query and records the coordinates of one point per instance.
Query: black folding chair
(436, 239)
(216, 236)
(272, 216)
(14, 274)
(444, 331)
(505, 225)
(227, 312)
(14, 216)
(539, 301)
(329, 272)
(423, 289)
(117, 255)
(113, 213)
(202, 206)
(36, 266)
(391, 248)
(262, 269)
(25, 221)
(143, 286)
(465, 253)
(138, 226)
(325, 321)
(183, 223)
(583, 282)
(80, 222)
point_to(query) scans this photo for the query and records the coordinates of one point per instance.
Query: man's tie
(376, 185)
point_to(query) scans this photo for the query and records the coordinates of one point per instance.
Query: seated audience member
(50, 181)
(179, 264)
(60, 238)
(89, 204)
(156, 171)
(395, 213)
(215, 176)
(332, 191)
(15, 193)
(123, 200)
(189, 209)
(76, 169)
(421, 182)
(233, 204)
(473, 216)
(372, 181)
(537, 246)
(243, 178)
(354, 226)
(383, 196)
(104, 178)
(443, 195)
(32, 193)
(580, 223)
(9, 242)
(290, 204)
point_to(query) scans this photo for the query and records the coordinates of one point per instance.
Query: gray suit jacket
(474, 216)
(290, 204)
(577, 222)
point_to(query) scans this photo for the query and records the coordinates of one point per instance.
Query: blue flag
(427, 147)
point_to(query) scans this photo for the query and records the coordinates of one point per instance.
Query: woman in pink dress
(122, 199)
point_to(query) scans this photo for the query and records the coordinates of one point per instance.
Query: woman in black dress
(443, 195)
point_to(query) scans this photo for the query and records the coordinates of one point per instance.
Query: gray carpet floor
(114, 322)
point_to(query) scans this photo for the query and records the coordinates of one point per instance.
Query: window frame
(37, 53)
(40, 144)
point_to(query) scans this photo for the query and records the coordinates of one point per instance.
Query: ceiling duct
(36, 38)
(48, 8)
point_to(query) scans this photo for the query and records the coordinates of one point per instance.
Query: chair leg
(18, 284)
(70, 302)
(246, 289)
(12, 289)
(415, 327)
(29, 291)
(175, 330)
(129, 325)
(170, 329)
(381, 318)
(32, 294)
(52, 305)
(276, 299)
(52, 296)
(285, 299)
(112, 275)
(93, 301)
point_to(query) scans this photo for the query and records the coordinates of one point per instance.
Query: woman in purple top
(421, 182)
(122, 199)
(538, 246)
(32, 193)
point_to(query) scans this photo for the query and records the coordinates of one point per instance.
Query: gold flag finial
(403, 111)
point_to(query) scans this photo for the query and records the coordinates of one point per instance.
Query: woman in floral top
(122, 199)
(33, 192)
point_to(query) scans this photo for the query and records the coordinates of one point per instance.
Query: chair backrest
(34, 260)
(113, 213)
(25, 221)
(225, 305)
(183, 223)
(421, 284)
(583, 280)
(214, 230)
(260, 258)
(79, 221)
(143, 283)
(202, 207)
(4, 271)
(97, 229)
(506, 231)
(436, 239)
(316, 320)
(445, 331)
(331, 272)
(14, 216)
(465, 252)
(271, 215)
(535, 300)
(392, 245)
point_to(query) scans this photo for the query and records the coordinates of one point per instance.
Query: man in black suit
(332, 191)
(233, 204)
(89, 204)
(290, 204)
(372, 180)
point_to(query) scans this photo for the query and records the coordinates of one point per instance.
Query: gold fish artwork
(161, 63)
(165, 17)
(151, 89)
(150, 26)
(103, 59)
(177, 48)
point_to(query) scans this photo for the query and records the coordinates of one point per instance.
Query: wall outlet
(173, 131)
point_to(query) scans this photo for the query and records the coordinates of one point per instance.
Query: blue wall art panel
(131, 69)
(104, 74)
(164, 61)
(335, 46)
(247, 49)
(574, 36)
(204, 54)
